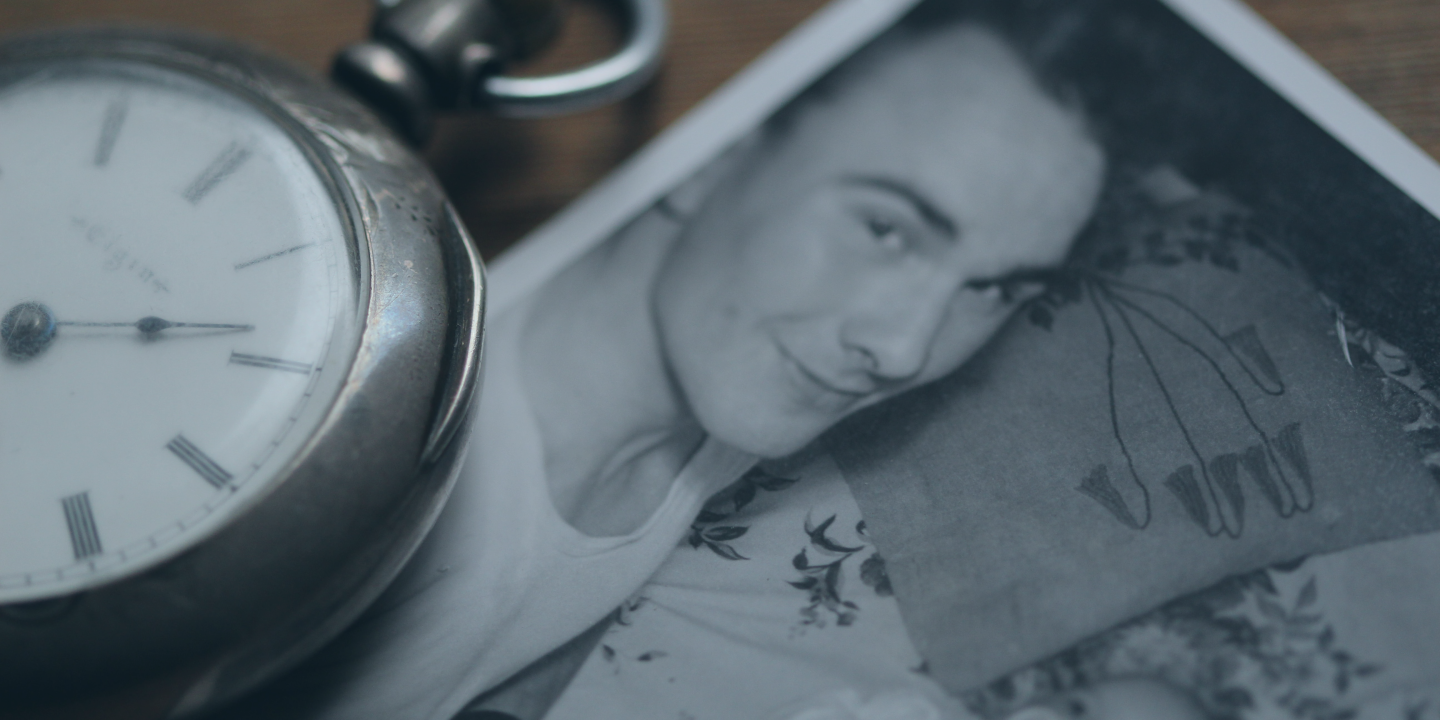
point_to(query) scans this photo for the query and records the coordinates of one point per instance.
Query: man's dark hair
(1039, 40)
(1155, 91)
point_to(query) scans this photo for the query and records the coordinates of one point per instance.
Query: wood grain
(507, 176)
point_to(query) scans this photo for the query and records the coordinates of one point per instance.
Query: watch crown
(428, 55)
(438, 55)
(384, 79)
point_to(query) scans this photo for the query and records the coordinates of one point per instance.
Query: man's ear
(688, 196)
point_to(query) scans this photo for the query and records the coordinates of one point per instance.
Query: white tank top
(503, 578)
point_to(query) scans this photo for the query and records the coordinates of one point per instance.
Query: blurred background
(507, 176)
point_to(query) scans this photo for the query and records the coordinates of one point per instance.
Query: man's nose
(891, 334)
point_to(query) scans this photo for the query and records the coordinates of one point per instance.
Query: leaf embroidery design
(625, 614)
(1156, 218)
(823, 580)
(872, 573)
(709, 532)
(1209, 490)
(1242, 648)
(1410, 398)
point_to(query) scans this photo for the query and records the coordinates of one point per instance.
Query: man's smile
(815, 388)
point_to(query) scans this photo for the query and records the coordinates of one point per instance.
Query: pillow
(1168, 427)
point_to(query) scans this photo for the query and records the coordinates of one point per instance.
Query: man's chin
(769, 441)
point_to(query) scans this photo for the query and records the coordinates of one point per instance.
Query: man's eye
(1008, 290)
(885, 233)
(1023, 290)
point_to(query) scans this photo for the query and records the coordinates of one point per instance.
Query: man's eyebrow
(927, 209)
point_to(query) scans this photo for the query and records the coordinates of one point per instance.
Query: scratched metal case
(287, 573)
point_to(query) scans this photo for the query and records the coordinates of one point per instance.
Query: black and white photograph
(1032, 360)
(959, 360)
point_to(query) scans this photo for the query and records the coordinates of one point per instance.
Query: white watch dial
(179, 294)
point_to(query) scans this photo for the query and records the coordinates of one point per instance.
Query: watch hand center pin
(27, 330)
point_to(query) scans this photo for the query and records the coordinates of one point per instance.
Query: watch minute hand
(151, 325)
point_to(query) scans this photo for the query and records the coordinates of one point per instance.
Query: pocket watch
(242, 330)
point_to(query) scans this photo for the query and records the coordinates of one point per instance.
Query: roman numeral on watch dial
(84, 538)
(208, 469)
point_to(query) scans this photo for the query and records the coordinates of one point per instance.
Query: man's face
(876, 245)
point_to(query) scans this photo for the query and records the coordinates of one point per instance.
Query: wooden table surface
(506, 176)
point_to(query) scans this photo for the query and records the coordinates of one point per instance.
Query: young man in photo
(868, 241)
